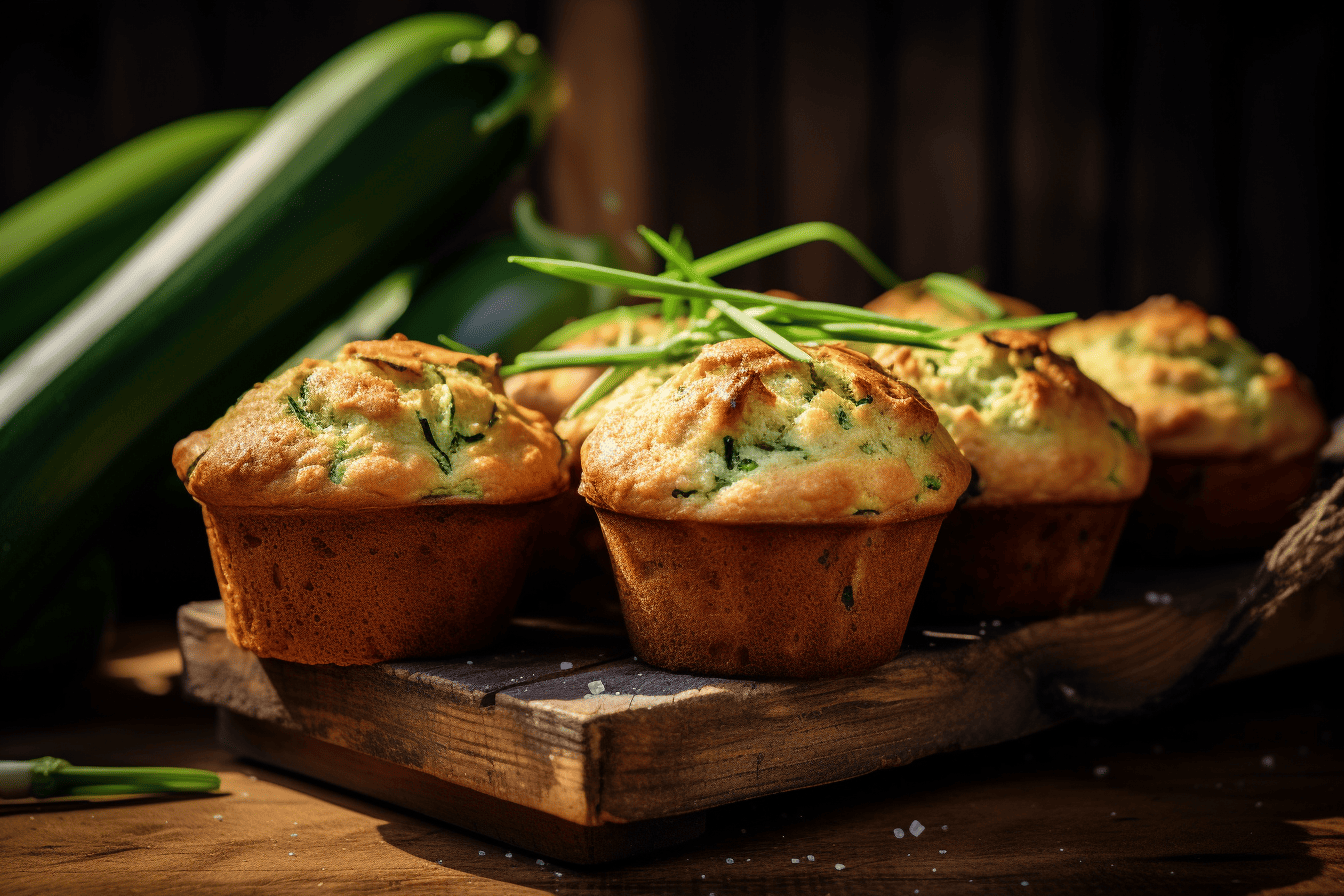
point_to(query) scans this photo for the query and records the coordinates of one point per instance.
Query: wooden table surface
(1239, 791)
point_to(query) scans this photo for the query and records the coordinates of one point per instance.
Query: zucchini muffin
(376, 507)
(1234, 432)
(553, 391)
(1057, 463)
(768, 517)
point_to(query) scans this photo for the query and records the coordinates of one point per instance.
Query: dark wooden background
(1083, 154)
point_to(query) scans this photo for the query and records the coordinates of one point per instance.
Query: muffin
(553, 391)
(1057, 464)
(910, 301)
(377, 507)
(772, 518)
(1233, 432)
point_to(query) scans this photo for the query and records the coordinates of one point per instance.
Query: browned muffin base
(791, 601)
(1021, 560)
(363, 587)
(1203, 507)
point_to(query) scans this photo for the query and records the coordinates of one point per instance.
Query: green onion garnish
(49, 776)
(717, 313)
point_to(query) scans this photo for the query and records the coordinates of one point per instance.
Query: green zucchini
(57, 241)
(478, 298)
(352, 172)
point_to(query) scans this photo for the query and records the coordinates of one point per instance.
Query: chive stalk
(49, 776)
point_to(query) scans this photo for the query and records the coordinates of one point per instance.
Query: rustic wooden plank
(432, 716)
(653, 744)
(488, 816)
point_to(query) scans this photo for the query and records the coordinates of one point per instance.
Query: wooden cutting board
(562, 743)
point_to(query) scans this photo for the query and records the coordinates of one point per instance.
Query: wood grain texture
(654, 744)
(1196, 810)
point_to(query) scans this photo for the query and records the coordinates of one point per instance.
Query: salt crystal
(566, 665)
(217, 817)
(295, 835)
(944, 827)
(596, 687)
(899, 832)
(1267, 761)
(811, 858)
(480, 852)
(839, 867)
(508, 855)
(1024, 883)
(1101, 771)
(916, 828)
(730, 861)
(559, 874)
(244, 793)
(795, 861)
(540, 862)
(470, 663)
(996, 623)
(291, 853)
(942, 852)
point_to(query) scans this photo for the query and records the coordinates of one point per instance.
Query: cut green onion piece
(759, 247)
(457, 346)
(957, 294)
(762, 332)
(674, 259)
(601, 388)
(645, 285)
(586, 357)
(49, 776)
(591, 322)
(1008, 323)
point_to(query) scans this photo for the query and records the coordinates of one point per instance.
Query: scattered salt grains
(795, 861)
(916, 828)
(996, 623)
(540, 862)
(1101, 771)
(1267, 761)
(839, 867)
(1158, 598)
(295, 835)
(566, 665)
(811, 858)
(596, 687)
(508, 855)
(899, 832)
(942, 852)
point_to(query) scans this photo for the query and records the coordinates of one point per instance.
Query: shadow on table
(60, 804)
(1210, 797)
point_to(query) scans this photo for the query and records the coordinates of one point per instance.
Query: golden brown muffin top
(389, 423)
(1034, 427)
(742, 434)
(553, 391)
(1199, 389)
(910, 301)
